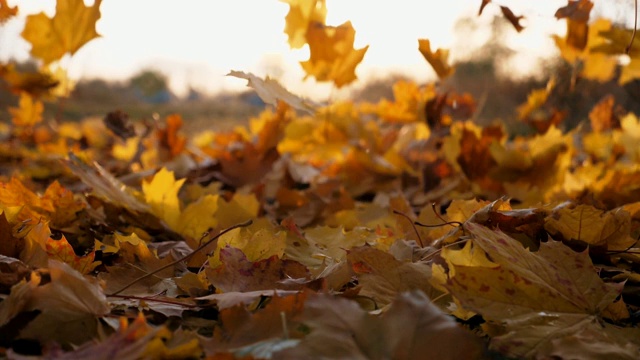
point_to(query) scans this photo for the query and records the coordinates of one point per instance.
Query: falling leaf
(513, 19)
(438, 59)
(72, 26)
(270, 91)
(301, 15)
(332, 55)
(28, 113)
(7, 12)
(412, 328)
(575, 10)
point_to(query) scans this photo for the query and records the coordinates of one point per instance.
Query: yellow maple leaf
(28, 112)
(332, 55)
(161, 193)
(301, 14)
(437, 59)
(72, 26)
(7, 12)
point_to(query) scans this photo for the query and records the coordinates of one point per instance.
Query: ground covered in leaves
(355, 231)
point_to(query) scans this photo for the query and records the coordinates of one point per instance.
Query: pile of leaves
(398, 229)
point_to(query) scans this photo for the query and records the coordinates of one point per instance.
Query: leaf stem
(244, 224)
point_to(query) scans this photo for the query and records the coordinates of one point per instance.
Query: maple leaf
(271, 91)
(7, 12)
(382, 277)
(170, 138)
(412, 328)
(161, 193)
(62, 251)
(553, 279)
(28, 113)
(437, 60)
(302, 14)
(68, 305)
(237, 273)
(332, 55)
(72, 26)
(241, 328)
(34, 83)
(592, 226)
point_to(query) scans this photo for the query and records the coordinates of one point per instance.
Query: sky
(197, 42)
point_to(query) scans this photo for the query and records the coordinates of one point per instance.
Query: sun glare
(198, 42)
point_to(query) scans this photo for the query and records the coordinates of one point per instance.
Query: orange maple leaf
(62, 251)
(7, 12)
(333, 57)
(72, 26)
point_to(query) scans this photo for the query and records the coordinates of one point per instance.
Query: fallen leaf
(161, 193)
(382, 277)
(412, 328)
(62, 251)
(555, 278)
(239, 274)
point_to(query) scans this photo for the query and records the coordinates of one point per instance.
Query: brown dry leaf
(597, 228)
(69, 306)
(72, 26)
(482, 6)
(603, 116)
(412, 328)
(105, 185)
(12, 270)
(555, 278)
(239, 327)
(513, 19)
(382, 277)
(239, 274)
(270, 91)
(302, 13)
(438, 59)
(7, 12)
(564, 336)
(332, 55)
(28, 113)
(170, 136)
(576, 10)
(34, 83)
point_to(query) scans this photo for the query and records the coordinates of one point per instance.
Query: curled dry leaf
(270, 91)
(412, 328)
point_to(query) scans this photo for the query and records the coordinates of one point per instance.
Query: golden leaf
(301, 14)
(28, 113)
(437, 59)
(72, 26)
(7, 12)
(333, 57)
(161, 193)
